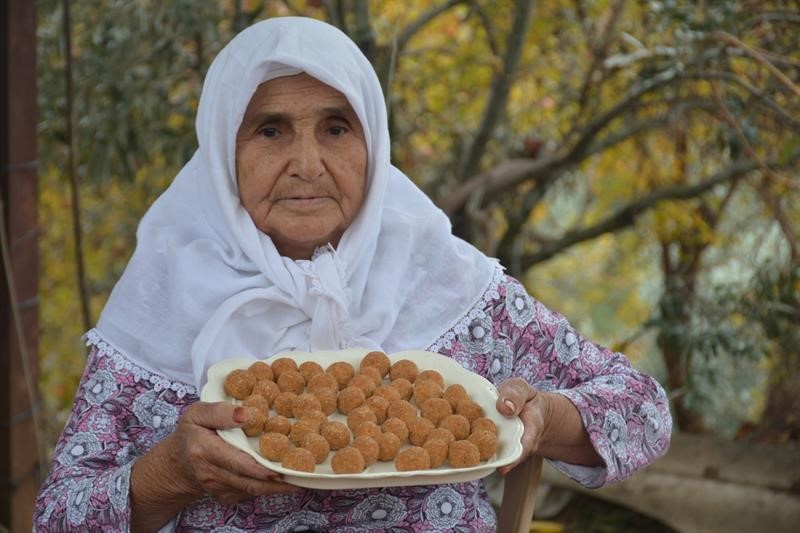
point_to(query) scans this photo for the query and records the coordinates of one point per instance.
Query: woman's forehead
(299, 89)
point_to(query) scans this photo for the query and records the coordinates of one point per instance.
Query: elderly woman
(289, 229)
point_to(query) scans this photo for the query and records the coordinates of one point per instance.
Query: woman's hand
(552, 424)
(194, 461)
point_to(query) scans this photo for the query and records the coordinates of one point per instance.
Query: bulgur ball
(458, 425)
(255, 422)
(404, 368)
(403, 410)
(483, 424)
(359, 415)
(268, 389)
(486, 443)
(432, 375)
(239, 384)
(281, 365)
(262, 371)
(372, 372)
(469, 409)
(418, 430)
(273, 446)
(326, 397)
(349, 399)
(454, 394)
(278, 424)
(305, 403)
(257, 401)
(347, 461)
(309, 369)
(379, 405)
(367, 429)
(317, 445)
(404, 387)
(368, 447)
(299, 459)
(412, 458)
(388, 392)
(300, 430)
(291, 381)
(441, 434)
(378, 360)
(437, 451)
(388, 446)
(316, 416)
(342, 372)
(322, 381)
(365, 382)
(396, 426)
(284, 403)
(436, 409)
(336, 433)
(463, 454)
(425, 390)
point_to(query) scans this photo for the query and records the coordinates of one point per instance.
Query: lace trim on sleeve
(121, 362)
(476, 312)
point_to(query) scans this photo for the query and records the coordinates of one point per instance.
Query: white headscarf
(205, 284)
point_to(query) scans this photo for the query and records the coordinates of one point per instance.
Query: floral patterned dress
(121, 410)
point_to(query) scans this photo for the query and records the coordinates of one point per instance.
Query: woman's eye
(269, 132)
(337, 131)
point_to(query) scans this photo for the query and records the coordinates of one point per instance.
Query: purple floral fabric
(122, 410)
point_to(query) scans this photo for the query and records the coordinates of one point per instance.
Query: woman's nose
(306, 158)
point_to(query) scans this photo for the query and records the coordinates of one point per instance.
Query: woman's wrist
(563, 434)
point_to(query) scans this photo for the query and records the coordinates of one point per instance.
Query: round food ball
(454, 394)
(403, 410)
(239, 384)
(463, 454)
(432, 375)
(367, 429)
(363, 382)
(441, 434)
(299, 459)
(326, 397)
(486, 442)
(388, 446)
(318, 445)
(262, 371)
(436, 409)
(378, 360)
(404, 388)
(437, 451)
(368, 447)
(322, 381)
(418, 430)
(483, 424)
(309, 369)
(268, 389)
(470, 410)
(373, 373)
(425, 390)
(305, 403)
(413, 458)
(359, 415)
(255, 422)
(284, 403)
(257, 401)
(336, 433)
(379, 405)
(317, 417)
(396, 426)
(342, 372)
(404, 368)
(388, 392)
(291, 381)
(281, 365)
(349, 399)
(278, 424)
(347, 461)
(458, 425)
(273, 446)
(300, 430)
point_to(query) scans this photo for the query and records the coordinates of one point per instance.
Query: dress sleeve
(119, 413)
(625, 412)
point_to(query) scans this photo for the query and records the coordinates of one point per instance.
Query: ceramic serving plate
(379, 474)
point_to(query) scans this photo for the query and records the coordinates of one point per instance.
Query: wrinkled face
(301, 162)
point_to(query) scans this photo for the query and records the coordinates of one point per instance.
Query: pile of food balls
(411, 419)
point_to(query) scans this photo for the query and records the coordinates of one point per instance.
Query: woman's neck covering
(205, 284)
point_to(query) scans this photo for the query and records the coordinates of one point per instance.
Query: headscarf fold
(205, 284)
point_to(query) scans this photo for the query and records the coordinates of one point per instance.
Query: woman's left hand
(516, 397)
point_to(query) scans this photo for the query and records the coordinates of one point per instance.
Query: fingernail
(240, 415)
(510, 405)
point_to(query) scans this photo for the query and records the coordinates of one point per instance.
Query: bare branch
(413, 27)
(363, 35)
(487, 27)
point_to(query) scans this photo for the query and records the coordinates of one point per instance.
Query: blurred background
(633, 163)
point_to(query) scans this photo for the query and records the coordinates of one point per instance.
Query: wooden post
(19, 465)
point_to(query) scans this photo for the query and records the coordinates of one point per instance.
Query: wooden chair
(519, 497)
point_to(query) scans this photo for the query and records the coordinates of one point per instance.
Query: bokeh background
(633, 163)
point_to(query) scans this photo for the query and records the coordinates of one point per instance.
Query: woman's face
(301, 163)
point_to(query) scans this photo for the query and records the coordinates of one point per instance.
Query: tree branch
(413, 27)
